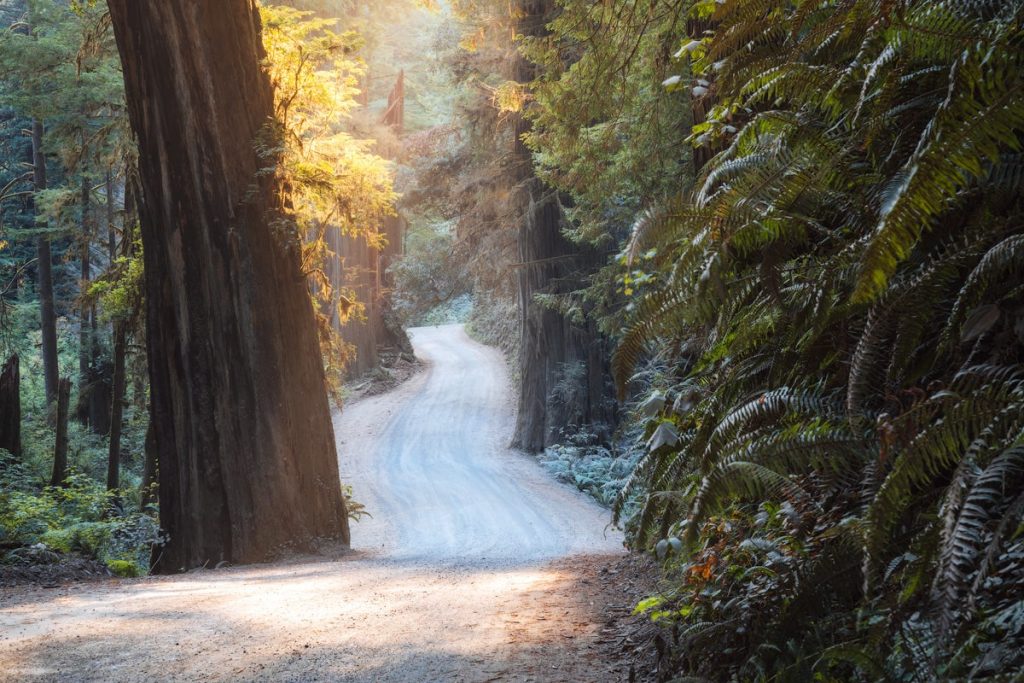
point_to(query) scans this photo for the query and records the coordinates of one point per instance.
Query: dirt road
(475, 567)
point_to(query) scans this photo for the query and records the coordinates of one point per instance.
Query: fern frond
(985, 88)
(1003, 261)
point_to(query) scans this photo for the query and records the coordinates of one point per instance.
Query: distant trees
(517, 237)
(80, 134)
(339, 189)
(247, 461)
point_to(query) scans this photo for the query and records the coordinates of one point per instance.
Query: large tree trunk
(563, 365)
(10, 406)
(47, 312)
(242, 425)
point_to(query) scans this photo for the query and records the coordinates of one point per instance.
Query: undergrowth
(39, 523)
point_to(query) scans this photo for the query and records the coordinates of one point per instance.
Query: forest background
(756, 267)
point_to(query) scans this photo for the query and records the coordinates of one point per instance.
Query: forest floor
(476, 567)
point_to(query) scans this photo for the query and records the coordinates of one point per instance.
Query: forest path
(476, 567)
(430, 461)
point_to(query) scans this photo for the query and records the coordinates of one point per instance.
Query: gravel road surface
(476, 566)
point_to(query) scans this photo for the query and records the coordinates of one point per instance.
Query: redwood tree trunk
(563, 365)
(10, 406)
(243, 431)
(60, 448)
(47, 312)
(116, 408)
(86, 343)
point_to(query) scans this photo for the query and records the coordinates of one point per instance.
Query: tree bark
(86, 346)
(563, 365)
(101, 377)
(116, 408)
(47, 312)
(84, 338)
(60, 448)
(242, 425)
(10, 406)
(111, 234)
(150, 468)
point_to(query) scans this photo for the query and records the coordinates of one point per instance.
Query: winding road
(476, 566)
(431, 461)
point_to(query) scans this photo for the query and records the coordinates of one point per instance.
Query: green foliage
(120, 291)
(73, 519)
(431, 282)
(833, 319)
(331, 179)
(61, 66)
(597, 470)
(356, 510)
(125, 569)
(602, 130)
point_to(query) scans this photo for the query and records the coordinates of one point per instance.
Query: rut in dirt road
(476, 567)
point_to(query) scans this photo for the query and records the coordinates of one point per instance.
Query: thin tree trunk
(47, 312)
(111, 233)
(86, 351)
(100, 381)
(116, 408)
(10, 406)
(242, 425)
(150, 475)
(60, 448)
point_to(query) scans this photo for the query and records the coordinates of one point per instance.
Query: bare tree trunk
(150, 476)
(10, 406)
(116, 408)
(242, 425)
(100, 381)
(47, 312)
(86, 351)
(111, 234)
(60, 448)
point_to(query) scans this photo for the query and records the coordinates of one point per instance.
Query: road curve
(431, 463)
(463, 575)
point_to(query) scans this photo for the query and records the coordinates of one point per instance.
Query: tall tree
(245, 444)
(60, 447)
(47, 312)
(563, 363)
(86, 344)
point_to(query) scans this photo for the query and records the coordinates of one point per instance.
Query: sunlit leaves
(331, 179)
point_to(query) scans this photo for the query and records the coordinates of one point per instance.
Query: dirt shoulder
(354, 618)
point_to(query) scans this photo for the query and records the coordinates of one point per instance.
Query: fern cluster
(839, 438)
